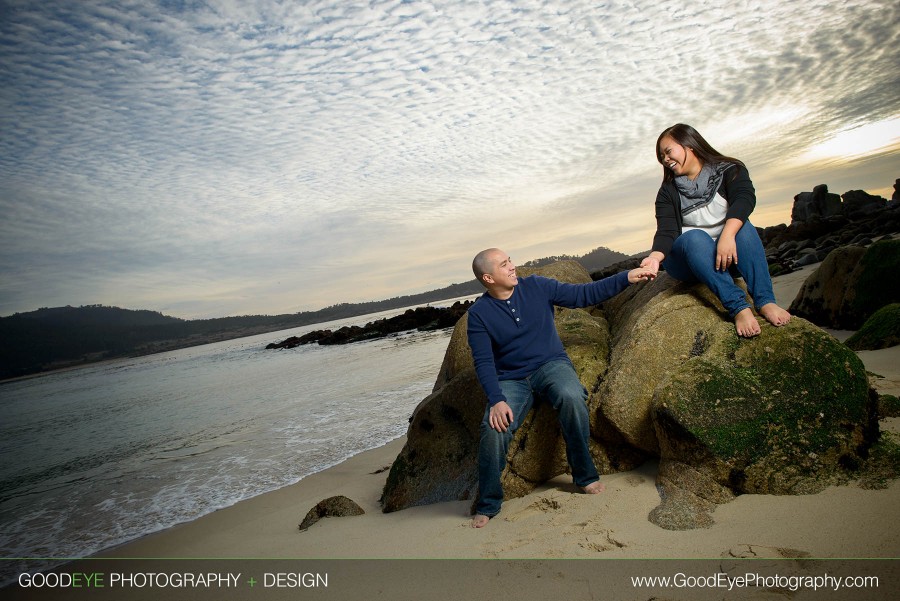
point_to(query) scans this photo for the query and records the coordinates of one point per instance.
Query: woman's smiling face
(677, 158)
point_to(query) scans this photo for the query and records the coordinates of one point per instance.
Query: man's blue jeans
(693, 259)
(557, 383)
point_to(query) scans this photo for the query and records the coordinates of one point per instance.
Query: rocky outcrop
(781, 413)
(858, 204)
(850, 286)
(422, 319)
(821, 222)
(338, 506)
(818, 203)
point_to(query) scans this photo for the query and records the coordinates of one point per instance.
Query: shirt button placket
(509, 304)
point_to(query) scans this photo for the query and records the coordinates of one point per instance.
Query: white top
(710, 219)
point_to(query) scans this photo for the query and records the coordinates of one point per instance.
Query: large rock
(655, 328)
(850, 285)
(783, 413)
(437, 463)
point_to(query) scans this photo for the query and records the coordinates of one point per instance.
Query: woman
(702, 231)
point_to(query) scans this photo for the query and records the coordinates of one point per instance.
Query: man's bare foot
(774, 314)
(746, 324)
(480, 521)
(594, 488)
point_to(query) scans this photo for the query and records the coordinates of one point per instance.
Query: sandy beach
(552, 523)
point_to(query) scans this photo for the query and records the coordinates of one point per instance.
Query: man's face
(504, 272)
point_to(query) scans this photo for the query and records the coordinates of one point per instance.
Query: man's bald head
(485, 262)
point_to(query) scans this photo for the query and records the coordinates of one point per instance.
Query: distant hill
(89, 315)
(52, 338)
(593, 261)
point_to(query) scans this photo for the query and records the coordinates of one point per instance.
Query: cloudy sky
(229, 157)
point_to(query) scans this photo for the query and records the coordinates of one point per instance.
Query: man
(518, 354)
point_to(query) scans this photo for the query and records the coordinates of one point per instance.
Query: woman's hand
(726, 252)
(651, 263)
(726, 247)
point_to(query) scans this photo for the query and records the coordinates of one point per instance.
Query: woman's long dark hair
(689, 137)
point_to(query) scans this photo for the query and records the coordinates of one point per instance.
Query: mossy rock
(888, 406)
(883, 464)
(882, 330)
(850, 286)
(786, 412)
(878, 285)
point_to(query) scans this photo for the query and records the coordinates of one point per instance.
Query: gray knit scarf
(698, 193)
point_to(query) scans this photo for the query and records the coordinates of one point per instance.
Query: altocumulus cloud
(217, 158)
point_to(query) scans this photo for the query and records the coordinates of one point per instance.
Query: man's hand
(651, 263)
(640, 274)
(501, 416)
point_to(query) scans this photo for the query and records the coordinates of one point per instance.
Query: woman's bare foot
(774, 314)
(480, 521)
(594, 488)
(746, 325)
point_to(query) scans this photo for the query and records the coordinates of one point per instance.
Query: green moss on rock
(877, 286)
(798, 399)
(888, 406)
(881, 330)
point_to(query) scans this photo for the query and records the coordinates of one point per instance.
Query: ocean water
(100, 455)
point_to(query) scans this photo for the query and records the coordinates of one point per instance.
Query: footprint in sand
(542, 506)
(596, 537)
(745, 551)
(602, 543)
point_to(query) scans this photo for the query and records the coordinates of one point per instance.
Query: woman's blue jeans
(556, 382)
(693, 259)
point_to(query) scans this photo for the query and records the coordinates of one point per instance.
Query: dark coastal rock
(882, 330)
(423, 319)
(437, 463)
(850, 286)
(687, 497)
(816, 204)
(857, 203)
(823, 222)
(338, 506)
(888, 406)
(295, 341)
